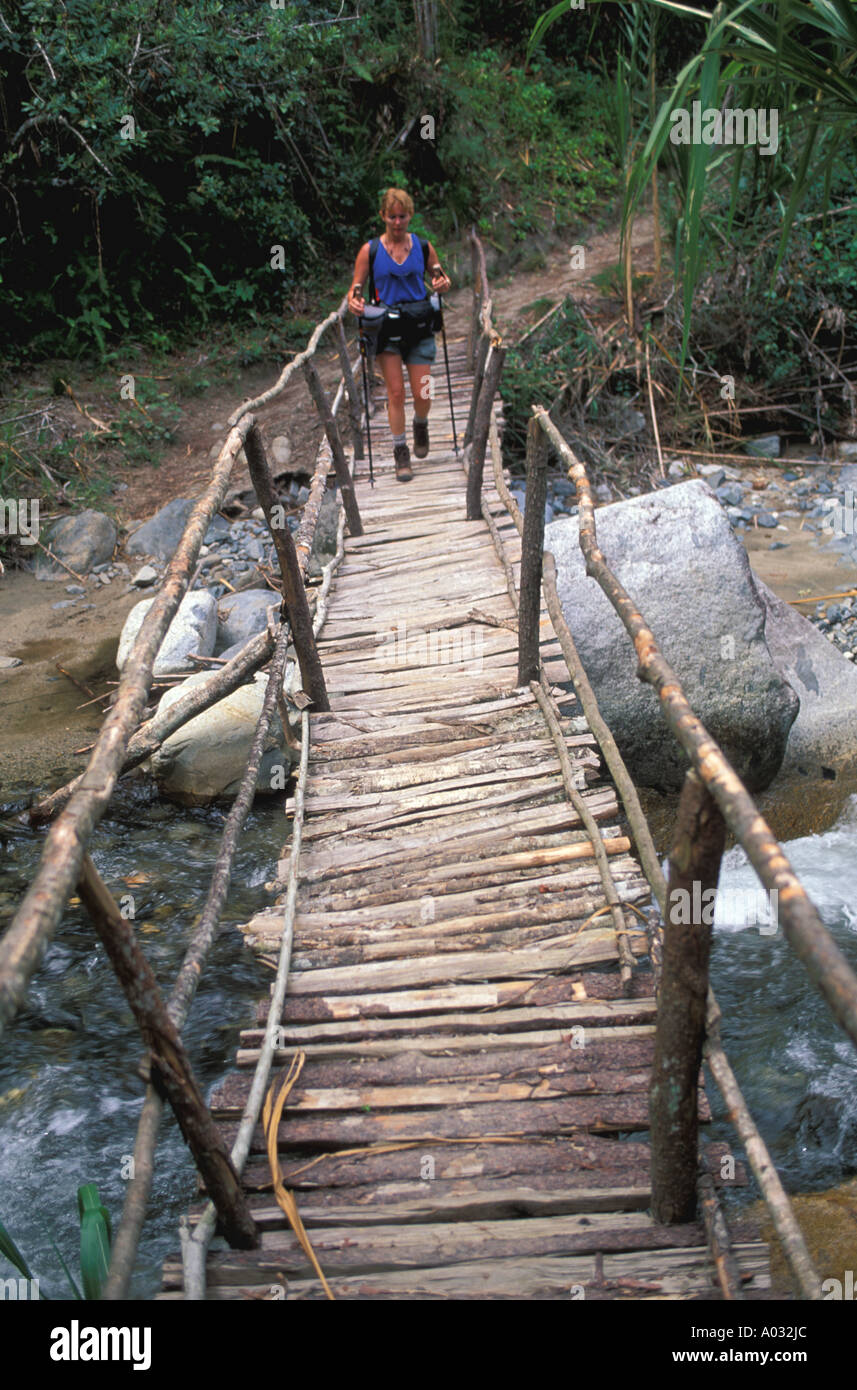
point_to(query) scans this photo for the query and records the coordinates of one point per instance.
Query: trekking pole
(448, 381)
(366, 403)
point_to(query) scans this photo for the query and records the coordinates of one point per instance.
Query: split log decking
(474, 1065)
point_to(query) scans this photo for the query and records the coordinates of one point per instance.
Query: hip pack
(402, 325)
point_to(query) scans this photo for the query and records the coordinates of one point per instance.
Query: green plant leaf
(13, 1254)
(95, 1237)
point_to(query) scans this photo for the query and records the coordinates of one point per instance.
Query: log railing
(122, 744)
(713, 798)
(485, 357)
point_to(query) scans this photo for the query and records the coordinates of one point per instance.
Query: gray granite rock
(205, 759)
(819, 770)
(763, 446)
(324, 539)
(192, 629)
(160, 535)
(675, 553)
(240, 616)
(83, 542)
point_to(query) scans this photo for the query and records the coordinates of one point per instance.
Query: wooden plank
(516, 893)
(590, 952)
(451, 878)
(651, 1274)
(443, 843)
(584, 1161)
(406, 974)
(313, 952)
(230, 1098)
(436, 1044)
(395, 1004)
(591, 1013)
(371, 1249)
(471, 763)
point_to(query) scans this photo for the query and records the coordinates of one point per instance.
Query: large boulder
(205, 759)
(192, 630)
(81, 541)
(160, 535)
(324, 536)
(819, 771)
(242, 615)
(675, 553)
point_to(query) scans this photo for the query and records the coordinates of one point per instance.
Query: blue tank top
(395, 283)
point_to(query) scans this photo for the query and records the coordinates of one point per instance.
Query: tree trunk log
(480, 433)
(294, 593)
(340, 463)
(532, 549)
(171, 1068)
(694, 869)
(355, 406)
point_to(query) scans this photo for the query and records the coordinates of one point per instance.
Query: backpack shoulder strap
(373, 251)
(424, 244)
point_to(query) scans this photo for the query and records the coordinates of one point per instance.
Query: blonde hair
(397, 195)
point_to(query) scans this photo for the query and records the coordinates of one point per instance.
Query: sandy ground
(46, 717)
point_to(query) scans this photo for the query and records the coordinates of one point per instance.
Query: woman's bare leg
(419, 374)
(394, 379)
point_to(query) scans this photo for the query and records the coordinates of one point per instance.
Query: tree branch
(61, 120)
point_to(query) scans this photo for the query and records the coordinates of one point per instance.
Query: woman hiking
(398, 278)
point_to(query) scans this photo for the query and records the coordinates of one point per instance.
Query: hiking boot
(402, 458)
(421, 438)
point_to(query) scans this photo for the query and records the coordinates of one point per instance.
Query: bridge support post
(673, 1095)
(481, 357)
(340, 462)
(355, 407)
(532, 550)
(171, 1070)
(294, 593)
(481, 427)
(476, 305)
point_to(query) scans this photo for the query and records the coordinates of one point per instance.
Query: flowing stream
(70, 1096)
(69, 1090)
(796, 1066)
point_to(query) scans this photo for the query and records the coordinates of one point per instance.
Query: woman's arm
(356, 302)
(439, 281)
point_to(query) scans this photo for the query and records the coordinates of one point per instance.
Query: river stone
(240, 616)
(205, 759)
(281, 451)
(192, 629)
(81, 541)
(819, 771)
(160, 535)
(766, 446)
(675, 553)
(324, 537)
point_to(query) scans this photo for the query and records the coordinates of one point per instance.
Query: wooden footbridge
(470, 1118)
(477, 1074)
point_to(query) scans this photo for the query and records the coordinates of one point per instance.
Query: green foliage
(158, 155)
(538, 371)
(95, 1236)
(796, 58)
